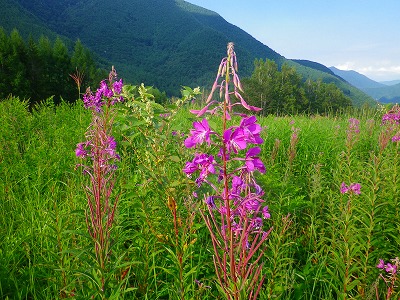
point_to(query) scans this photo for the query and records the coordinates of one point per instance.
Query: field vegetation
(331, 186)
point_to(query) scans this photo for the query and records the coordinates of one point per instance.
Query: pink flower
(391, 268)
(381, 264)
(396, 138)
(200, 133)
(235, 140)
(80, 150)
(354, 188)
(237, 186)
(251, 130)
(202, 162)
(265, 212)
(117, 86)
(104, 90)
(344, 188)
(253, 162)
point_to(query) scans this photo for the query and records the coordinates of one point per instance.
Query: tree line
(37, 70)
(285, 92)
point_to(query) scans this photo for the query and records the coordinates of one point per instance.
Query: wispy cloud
(382, 70)
(381, 73)
(348, 65)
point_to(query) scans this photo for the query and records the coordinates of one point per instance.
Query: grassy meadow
(324, 244)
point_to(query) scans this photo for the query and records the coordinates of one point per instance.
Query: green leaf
(174, 158)
(353, 284)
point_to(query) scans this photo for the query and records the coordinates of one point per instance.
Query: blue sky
(360, 35)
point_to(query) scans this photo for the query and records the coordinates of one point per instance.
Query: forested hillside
(163, 43)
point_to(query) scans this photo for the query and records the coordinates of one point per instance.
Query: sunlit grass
(319, 249)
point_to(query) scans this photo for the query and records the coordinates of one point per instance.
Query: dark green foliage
(325, 97)
(284, 91)
(39, 70)
(28, 24)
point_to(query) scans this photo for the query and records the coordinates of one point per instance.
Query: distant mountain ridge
(390, 82)
(358, 80)
(165, 43)
(379, 91)
(385, 94)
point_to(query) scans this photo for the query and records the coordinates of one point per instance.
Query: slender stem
(232, 263)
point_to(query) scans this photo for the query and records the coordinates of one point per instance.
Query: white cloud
(380, 71)
(346, 66)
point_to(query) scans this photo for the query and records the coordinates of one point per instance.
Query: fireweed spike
(236, 212)
(99, 157)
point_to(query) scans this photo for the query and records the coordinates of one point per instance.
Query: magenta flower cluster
(390, 277)
(100, 146)
(354, 188)
(226, 180)
(108, 93)
(236, 138)
(388, 267)
(392, 117)
(392, 121)
(103, 148)
(203, 163)
(233, 140)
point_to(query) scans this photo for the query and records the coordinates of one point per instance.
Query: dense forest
(285, 91)
(37, 70)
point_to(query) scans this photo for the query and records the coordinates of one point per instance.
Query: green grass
(324, 245)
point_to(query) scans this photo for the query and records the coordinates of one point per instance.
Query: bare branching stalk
(78, 78)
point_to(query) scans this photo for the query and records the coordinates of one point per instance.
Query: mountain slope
(314, 65)
(390, 82)
(358, 80)
(166, 43)
(387, 94)
(14, 15)
(160, 42)
(377, 90)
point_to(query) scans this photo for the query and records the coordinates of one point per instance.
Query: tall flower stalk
(100, 156)
(235, 208)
